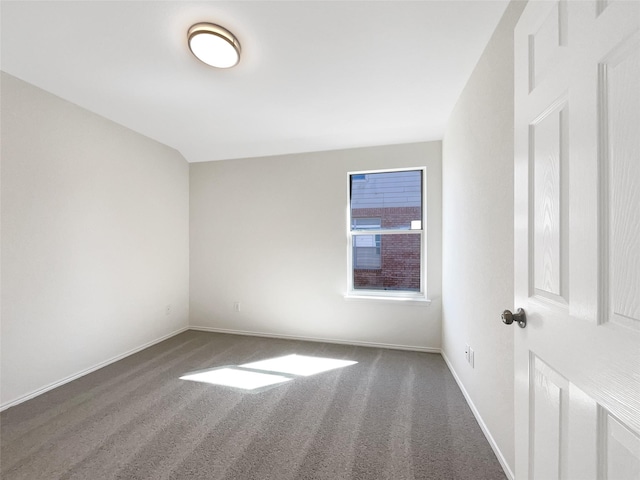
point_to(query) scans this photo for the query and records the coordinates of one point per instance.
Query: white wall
(478, 235)
(271, 234)
(94, 240)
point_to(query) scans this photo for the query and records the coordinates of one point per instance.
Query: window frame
(402, 295)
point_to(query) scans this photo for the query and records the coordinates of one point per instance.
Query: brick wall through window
(399, 253)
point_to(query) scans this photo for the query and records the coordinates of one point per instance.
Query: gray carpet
(394, 415)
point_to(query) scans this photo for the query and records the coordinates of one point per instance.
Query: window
(386, 235)
(366, 248)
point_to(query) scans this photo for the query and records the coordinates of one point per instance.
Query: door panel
(545, 53)
(548, 137)
(620, 193)
(577, 239)
(621, 457)
(549, 398)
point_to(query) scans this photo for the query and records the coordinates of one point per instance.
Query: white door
(577, 240)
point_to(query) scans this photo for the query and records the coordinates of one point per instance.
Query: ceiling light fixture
(214, 45)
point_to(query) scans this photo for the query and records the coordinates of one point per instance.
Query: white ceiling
(314, 75)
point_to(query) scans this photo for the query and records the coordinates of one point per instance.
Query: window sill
(404, 300)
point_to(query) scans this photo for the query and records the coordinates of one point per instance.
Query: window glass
(395, 198)
(394, 266)
(389, 203)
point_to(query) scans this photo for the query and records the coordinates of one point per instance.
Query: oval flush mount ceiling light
(214, 45)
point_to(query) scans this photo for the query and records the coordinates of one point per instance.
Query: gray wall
(270, 233)
(94, 240)
(478, 236)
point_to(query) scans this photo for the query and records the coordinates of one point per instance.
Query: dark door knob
(519, 317)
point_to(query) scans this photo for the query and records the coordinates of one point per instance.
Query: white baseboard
(483, 426)
(317, 339)
(86, 371)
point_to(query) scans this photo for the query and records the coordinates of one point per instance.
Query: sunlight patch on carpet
(234, 377)
(298, 365)
(266, 373)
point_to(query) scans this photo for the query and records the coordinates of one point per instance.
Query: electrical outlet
(471, 357)
(467, 348)
(236, 306)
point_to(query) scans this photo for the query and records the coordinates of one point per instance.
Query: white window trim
(418, 298)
